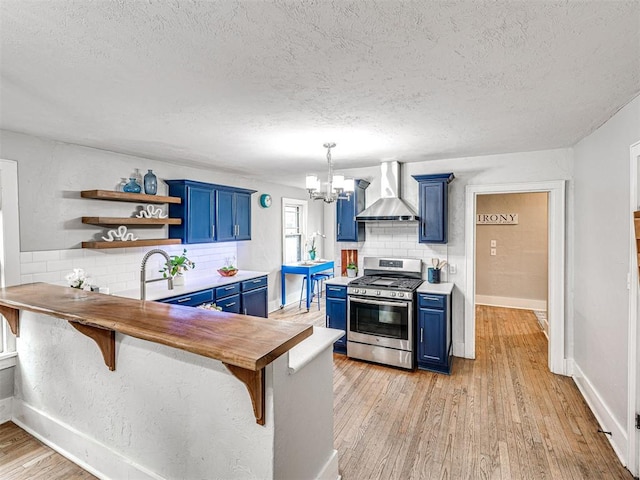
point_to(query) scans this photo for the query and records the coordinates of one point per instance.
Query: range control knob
(377, 292)
(401, 294)
(393, 294)
(363, 291)
(355, 290)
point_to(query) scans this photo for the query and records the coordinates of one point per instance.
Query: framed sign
(497, 219)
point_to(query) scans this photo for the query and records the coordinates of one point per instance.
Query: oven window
(380, 320)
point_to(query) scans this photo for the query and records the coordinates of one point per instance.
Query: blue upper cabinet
(347, 229)
(433, 193)
(233, 214)
(210, 212)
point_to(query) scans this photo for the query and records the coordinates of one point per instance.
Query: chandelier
(337, 187)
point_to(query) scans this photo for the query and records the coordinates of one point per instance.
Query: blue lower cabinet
(255, 297)
(249, 297)
(192, 299)
(434, 333)
(337, 314)
(229, 304)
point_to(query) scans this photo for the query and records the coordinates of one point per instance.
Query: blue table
(307, 268)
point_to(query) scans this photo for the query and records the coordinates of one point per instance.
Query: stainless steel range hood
(390, 207)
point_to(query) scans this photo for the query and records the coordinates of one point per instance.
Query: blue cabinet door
(347, 229)
(200, 212)
(225, 226)
(337, 318)
(254, 302)
(242, 210)
(433, 195)
(431, 336)
(233, 215)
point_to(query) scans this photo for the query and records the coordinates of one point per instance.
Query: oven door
(386, 323)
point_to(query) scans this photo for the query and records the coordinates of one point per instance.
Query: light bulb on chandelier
(337, 186)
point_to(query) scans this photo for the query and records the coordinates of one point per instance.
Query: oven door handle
(399, 303)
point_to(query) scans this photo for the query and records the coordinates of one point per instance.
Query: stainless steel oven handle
(380, 302)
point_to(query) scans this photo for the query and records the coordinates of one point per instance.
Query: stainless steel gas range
(380, 311)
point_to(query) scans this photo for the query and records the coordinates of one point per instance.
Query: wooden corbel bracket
(106, 340)
(13, 318)
(254, 381)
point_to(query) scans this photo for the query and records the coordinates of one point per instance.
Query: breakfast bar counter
(243, 343)
(173, 407)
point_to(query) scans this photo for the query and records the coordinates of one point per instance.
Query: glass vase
(150, 183)
(132, 186)
(312, 254)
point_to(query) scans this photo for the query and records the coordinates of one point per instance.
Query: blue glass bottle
(132, 186)
(150, 183)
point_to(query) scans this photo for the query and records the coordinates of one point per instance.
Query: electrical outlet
(453, 269)
(494, 243)
(493, 252)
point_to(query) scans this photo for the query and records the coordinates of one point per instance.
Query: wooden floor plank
(502, 415)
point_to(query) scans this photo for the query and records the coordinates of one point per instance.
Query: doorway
(555, 191)
(511, 252)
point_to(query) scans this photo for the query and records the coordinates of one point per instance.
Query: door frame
(633, 435)
(556, 265)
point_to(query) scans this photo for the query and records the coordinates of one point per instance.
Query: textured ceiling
(260, 86)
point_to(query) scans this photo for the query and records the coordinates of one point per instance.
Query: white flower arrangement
(311, 243)
(78, 279)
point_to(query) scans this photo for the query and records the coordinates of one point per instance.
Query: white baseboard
(618, 438)
(6, 409)
(458, 349)
(85, 451)
(330, 469)
(509, 302)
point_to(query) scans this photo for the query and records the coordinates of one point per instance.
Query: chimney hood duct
(390, 207)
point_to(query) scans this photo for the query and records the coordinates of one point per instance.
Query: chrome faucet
(143, 274)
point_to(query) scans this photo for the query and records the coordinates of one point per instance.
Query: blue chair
(314, 284)
(319, 278)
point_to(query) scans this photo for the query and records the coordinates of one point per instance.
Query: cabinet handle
(421, 335)
(436, 299)
(229, 288)
(182, 300)
(424, 229)
(334, 289)
(213, 231)
(338, 229)
(245, 311)
(257, 281)
(230, 304)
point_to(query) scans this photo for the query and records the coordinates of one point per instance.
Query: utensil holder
(433, 275)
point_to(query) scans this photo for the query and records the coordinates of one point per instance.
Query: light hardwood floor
(501, 416)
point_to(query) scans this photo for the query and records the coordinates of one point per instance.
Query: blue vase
(150, 183)
(312, 254)
(132, 186)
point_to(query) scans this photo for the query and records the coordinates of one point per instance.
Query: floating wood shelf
(136, 243)
(128, 197)
(131, 221)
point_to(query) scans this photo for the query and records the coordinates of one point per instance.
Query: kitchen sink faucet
(143, 274)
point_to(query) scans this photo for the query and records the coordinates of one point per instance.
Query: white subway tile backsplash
(34, 267)
(46, 255)
(117, 269)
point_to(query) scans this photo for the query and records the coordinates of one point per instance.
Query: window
(294, 226)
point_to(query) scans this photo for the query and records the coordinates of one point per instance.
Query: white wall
(51, 174)
(601, 255)
(485, 170)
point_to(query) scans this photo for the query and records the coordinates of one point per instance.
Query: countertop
(343, 281)
(239, 340)
(436, 288)
(193, 282)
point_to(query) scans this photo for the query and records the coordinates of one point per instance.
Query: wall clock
(265, 200)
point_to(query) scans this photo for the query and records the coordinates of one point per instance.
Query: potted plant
(352, 269)
(177, 265)
(229, 269)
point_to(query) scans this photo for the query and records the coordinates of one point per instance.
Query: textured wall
(6, 382)
(519, 268)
